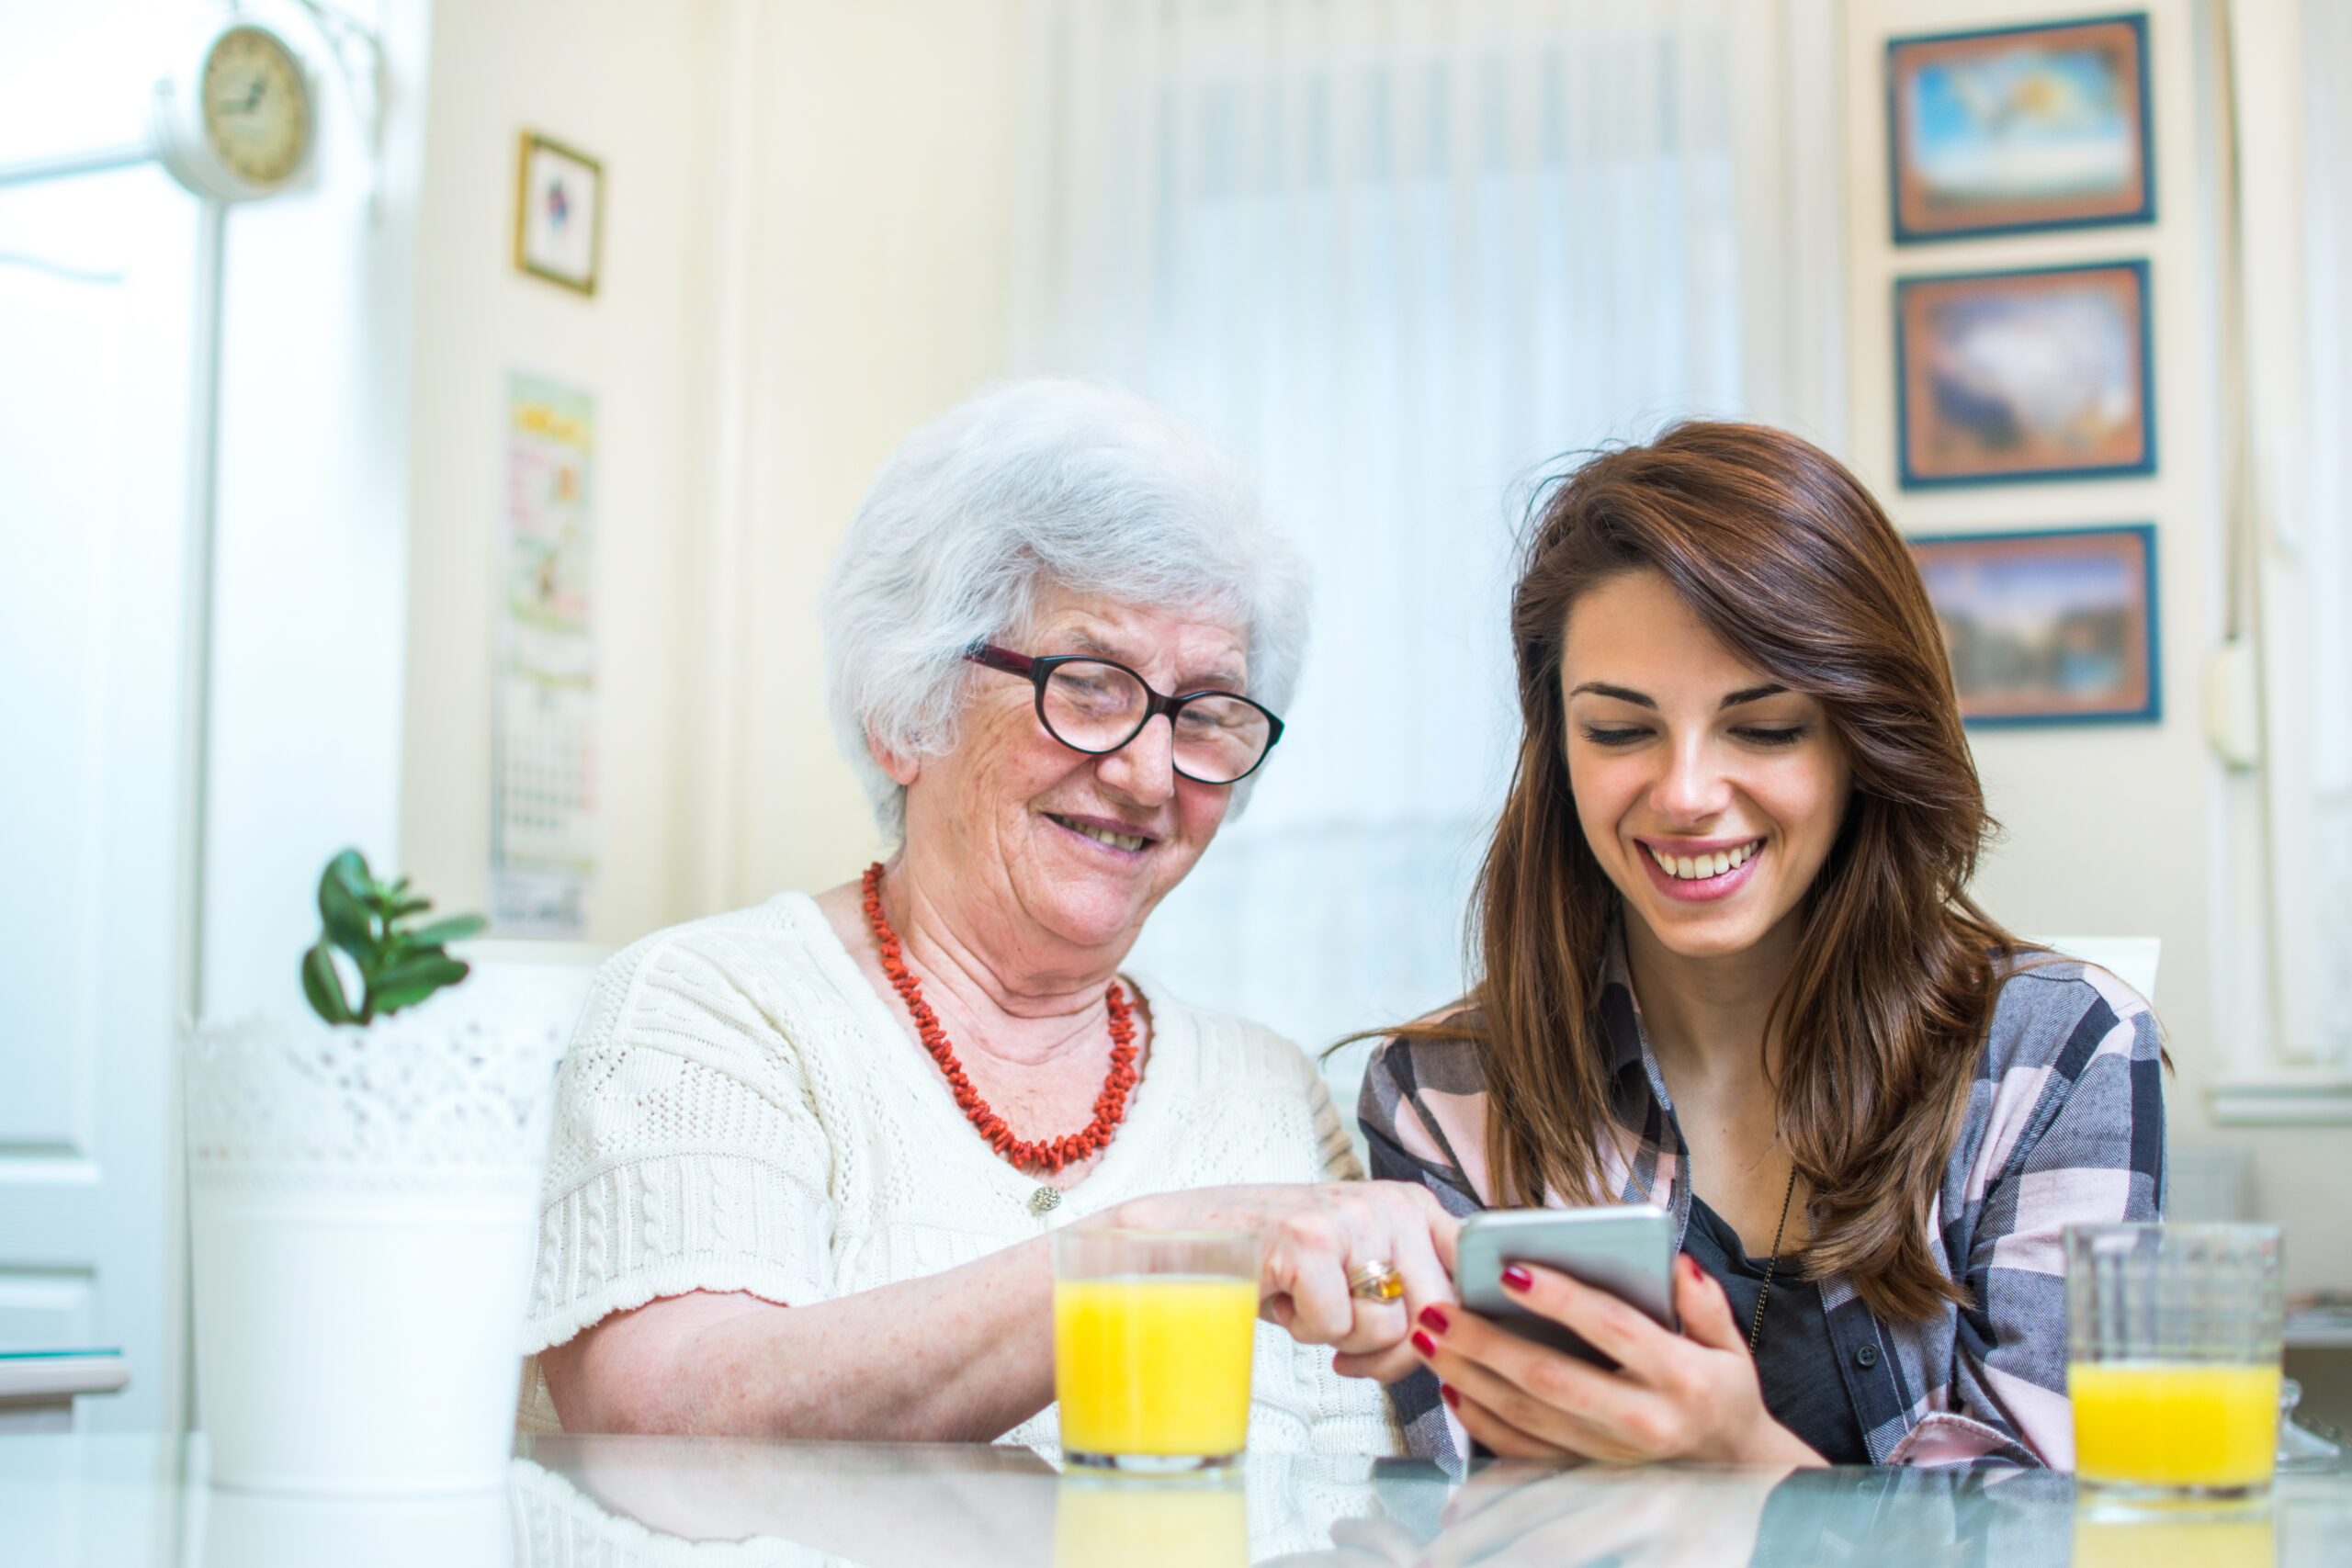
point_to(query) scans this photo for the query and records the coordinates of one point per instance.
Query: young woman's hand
(1692, 1395)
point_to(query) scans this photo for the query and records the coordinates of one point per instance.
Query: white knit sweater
(738, 1112)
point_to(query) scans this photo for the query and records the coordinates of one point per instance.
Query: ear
(902, 768)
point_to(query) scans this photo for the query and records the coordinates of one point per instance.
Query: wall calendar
(544, 824)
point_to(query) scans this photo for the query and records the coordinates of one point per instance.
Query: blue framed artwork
(2038, 374)
(2016, 129)
(2052, 626)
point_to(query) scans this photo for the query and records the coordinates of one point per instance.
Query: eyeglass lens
(1100, 707)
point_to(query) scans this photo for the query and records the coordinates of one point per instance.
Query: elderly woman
(808, 1154)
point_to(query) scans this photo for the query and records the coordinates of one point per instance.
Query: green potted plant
(398, 963)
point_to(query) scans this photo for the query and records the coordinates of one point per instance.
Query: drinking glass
(1152, 1337)
(2173, 1360)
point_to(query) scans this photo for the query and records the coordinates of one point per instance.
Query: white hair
(1048, 483)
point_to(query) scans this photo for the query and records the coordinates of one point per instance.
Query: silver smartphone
(1626, 1249)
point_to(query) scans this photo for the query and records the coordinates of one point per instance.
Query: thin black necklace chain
(1756, 1329)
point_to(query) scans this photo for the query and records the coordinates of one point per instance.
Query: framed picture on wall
(559, 213)
(2022, 128)
(2056, 626)
(2032, 375)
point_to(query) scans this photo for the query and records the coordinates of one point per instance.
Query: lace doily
(441, 1084)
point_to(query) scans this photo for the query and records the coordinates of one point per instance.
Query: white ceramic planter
(362, 1208)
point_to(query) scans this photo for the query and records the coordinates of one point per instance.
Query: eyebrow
(1627, 694)
(1217, 677)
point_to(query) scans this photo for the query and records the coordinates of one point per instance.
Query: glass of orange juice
(1152, 1337)
(2173, 1360)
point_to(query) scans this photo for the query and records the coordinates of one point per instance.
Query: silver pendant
(1045, 1200)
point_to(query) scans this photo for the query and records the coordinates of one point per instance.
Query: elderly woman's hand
(1313, 1237)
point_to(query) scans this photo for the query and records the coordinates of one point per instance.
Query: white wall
(627, 84)
(2117, 828)
(876, 150)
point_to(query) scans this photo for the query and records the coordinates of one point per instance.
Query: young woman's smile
(1697, 872)
(1710, 793)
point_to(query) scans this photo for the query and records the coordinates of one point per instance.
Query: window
(2286, 937)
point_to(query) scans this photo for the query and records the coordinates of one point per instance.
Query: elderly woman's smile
(1107, 834)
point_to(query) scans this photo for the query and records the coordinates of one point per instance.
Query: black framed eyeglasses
(1097, 706)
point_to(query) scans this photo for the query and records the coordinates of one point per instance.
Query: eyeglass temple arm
(994, 658)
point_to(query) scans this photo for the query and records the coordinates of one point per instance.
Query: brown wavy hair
(1785, 556)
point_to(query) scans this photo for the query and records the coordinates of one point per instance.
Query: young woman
(1730, 966)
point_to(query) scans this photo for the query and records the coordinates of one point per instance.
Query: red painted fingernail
(1689, 1266)
(1453, 1395)
(1518, 1278)
(1433, 1319)
(1423, 1343)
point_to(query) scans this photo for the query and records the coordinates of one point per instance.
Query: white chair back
(2131, 959)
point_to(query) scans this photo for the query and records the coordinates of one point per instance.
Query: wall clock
(236, 121)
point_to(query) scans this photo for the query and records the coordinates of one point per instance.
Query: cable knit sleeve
(686, 1153)
(1332, 1145)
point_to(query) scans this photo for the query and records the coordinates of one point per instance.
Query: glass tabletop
(67, 1501)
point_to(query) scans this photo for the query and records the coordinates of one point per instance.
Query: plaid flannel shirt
(2064, 1126)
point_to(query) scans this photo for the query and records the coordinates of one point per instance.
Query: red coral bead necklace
(1109, 1105)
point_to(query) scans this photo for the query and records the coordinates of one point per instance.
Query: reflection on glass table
(72, 1501)
(620, 1500)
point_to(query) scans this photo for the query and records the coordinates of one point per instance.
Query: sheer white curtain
(2325, 574)
(1404, 257)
